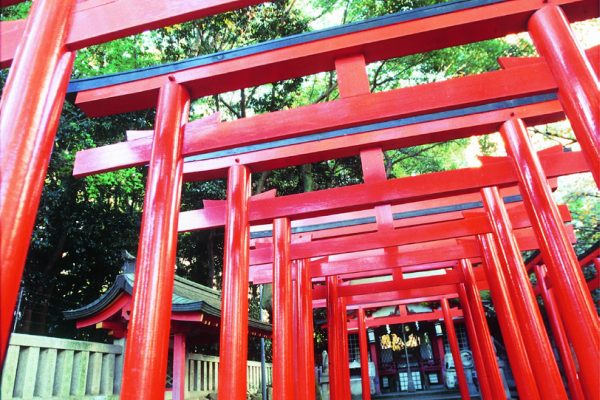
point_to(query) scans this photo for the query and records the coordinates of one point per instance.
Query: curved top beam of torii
(407, 235)
(417, 245)
(429, 28)
(446, 110)
(409, 289)
(494, 172)
(409, 214)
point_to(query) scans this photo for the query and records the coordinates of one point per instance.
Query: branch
(230, 108)
(330, 88)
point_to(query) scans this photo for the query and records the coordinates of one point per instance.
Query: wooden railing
(203, 375)
(50, 368)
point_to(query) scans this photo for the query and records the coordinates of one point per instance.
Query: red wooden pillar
(578, 87)
(536, 340)
(29, 114)
(454, 348)
(484, 337)
(283, 325)
(179, 360)
(364, 355)
(333, 340)
(345, 356)
(296, 356)
(576, 305)
(147, 347)
(439, 343)
(507, 318)
(484, 383)
(306, 354)
(233, 348)
(560, 336)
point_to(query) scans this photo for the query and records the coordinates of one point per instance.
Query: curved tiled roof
(188, 296)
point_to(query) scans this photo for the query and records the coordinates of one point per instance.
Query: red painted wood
(535, 337)
(32, 100)
(395, 191)
(298, 359)
(435, 315)
(386, 239)
(590, 258)
(410, 37)
(179, 364)
(11, 33)
(306, 356)
(342, 113)
(594, 283)
(451, 277)
(381, 299)
(453, 342)
(410, 258)
(393, 138)
(345, 364)
(373, 167)
(355, 306)
(579, 91)
(283, 325)
(507, 318)
(395, 272)
(352, 81)
(233, 349)
(100, 21)
(364, 355)
(482, 377)
(413, 296)
(115, 307)
(579, 312)
(486, 346)
(352, 76)
(560, 336)
(147, 341)
(333, 340)
(399, 208)
(6, 3)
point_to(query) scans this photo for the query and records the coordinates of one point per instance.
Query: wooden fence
(203, 375)
(43, 367)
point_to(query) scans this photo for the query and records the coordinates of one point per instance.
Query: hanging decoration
(395, 342)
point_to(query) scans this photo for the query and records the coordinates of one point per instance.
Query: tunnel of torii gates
(455, 222)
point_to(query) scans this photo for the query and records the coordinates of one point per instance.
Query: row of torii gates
(454, 221)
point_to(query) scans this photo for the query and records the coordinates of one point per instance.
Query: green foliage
(116, 56)
(580, 194)
(18, 11)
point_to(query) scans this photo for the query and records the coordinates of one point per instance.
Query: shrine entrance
(435, 240)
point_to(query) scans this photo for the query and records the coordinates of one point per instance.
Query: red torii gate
(525, 382)
(568, 70)
(33, 97)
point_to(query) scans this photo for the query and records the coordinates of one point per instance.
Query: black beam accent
(396, 123)
(397, 216)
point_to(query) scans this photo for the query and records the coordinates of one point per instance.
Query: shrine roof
(187, 296)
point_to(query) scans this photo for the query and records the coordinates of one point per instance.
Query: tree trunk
(260, 185)
(307, 177)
